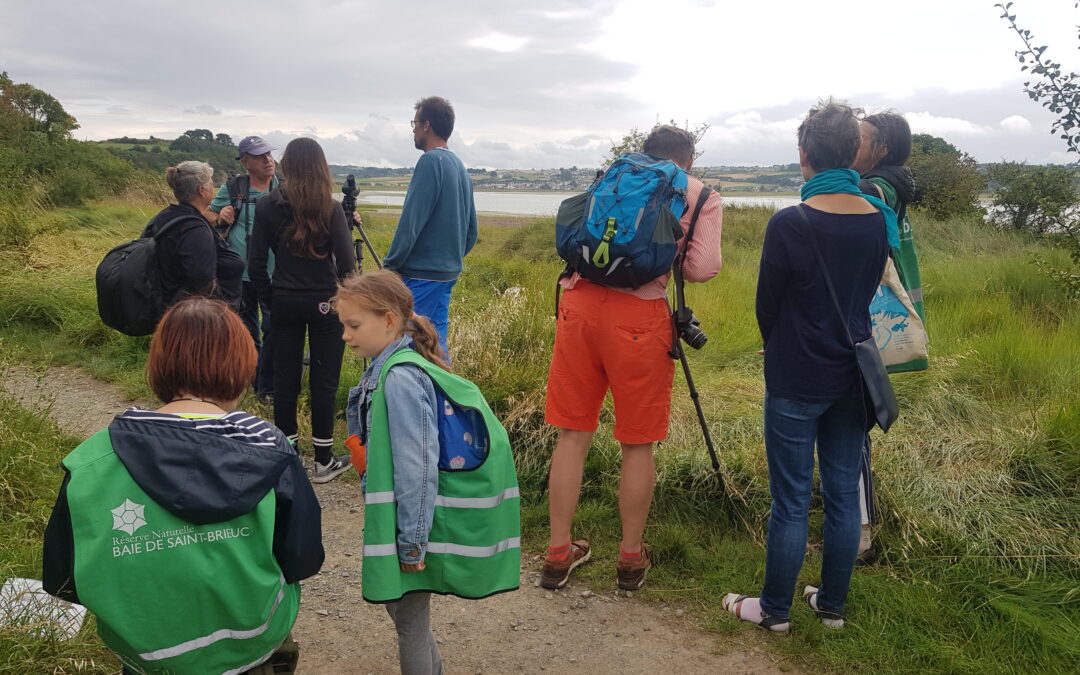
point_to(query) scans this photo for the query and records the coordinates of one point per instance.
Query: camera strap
(677, 270)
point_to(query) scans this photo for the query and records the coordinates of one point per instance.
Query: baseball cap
(253, 145)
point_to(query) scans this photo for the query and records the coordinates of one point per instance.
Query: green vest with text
(474, 548)
(171, 596)
(906, 259)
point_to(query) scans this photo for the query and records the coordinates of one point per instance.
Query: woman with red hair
(187, 529)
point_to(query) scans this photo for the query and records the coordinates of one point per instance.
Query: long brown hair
(200, 348)
(382, 292)
(308, 186)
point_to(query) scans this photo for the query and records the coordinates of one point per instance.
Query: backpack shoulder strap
(702, 198)
(164, 228)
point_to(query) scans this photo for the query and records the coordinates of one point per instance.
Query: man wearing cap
(233, 212)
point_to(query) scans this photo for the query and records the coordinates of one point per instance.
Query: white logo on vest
(128, 517)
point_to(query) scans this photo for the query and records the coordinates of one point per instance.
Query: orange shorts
(605, 338)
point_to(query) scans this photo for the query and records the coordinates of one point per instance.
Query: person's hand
(412, 567)
(761, 352)
(227, 215)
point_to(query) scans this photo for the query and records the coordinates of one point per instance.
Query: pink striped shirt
(702, 262)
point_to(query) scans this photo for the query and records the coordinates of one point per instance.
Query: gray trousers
(417, 649)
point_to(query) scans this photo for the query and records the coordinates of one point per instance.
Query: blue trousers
(792, 429)
(432, 299)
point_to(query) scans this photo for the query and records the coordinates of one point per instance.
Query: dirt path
(528, 631)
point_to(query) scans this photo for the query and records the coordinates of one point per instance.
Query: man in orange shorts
(620, 338)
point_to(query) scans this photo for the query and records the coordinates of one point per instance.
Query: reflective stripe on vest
(377, 550)
(221, 634)
(452, 502)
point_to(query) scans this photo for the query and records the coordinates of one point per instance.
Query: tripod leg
(700, 413)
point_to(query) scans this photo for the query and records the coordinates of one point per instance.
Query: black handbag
(867, 357)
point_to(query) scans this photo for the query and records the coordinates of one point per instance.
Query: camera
(348, 202)
(689, 328)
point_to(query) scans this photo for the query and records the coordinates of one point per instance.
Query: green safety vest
(171, 596)
(474, 548)
(906, 259)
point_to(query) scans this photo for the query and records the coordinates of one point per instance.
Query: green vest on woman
(474, 548)
(143, 572)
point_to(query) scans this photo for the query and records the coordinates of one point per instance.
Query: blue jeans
(432, 299)
(791, 428)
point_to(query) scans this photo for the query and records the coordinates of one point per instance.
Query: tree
(947, 181)
(635, 140)
(224, 139)
(199, 134)
(27, 108)
(1034, 198)
(1059, 92)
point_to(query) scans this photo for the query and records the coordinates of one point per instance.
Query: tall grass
(977, 483)
(31, 448)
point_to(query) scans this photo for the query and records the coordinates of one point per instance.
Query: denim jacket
(414, 443)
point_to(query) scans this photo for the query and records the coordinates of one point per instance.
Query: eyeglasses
(416, 123)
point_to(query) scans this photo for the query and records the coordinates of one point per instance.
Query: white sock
(828, 623)
(750, 610)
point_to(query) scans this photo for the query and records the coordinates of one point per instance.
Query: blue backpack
(624, 230)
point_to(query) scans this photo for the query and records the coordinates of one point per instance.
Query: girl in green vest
(187, 529)
(441, 512)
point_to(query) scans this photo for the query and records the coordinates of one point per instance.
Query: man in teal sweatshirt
(438, 220)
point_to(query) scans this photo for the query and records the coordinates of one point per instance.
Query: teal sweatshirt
(438, 220)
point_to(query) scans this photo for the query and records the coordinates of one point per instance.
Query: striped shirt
(703, 261)
(237, 424)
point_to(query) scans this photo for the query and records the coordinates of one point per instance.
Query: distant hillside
(155, 154)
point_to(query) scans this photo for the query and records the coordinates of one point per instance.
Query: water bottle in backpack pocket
(625, 229)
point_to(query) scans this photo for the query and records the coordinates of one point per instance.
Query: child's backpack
(463, 437)
(128, 280)
(624, 230)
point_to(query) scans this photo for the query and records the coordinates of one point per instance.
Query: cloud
(203, 109)
(1016, 124)
(499, 42)
(928, 123)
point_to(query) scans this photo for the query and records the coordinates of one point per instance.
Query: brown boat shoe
(557, 572)
(631, 573)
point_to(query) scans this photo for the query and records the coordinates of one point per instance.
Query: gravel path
(528, 631)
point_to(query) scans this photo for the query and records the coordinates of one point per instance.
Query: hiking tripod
(348, 204)
(681, 355)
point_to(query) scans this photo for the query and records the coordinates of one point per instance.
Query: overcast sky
(537, 84)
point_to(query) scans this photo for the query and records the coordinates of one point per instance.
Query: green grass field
(980, 568)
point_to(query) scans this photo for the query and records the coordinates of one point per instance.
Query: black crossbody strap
(825, 272)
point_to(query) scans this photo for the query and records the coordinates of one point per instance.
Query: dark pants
(293, 317)
(264, 374)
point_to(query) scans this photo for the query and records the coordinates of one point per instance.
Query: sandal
(828, 619)
(734, 604)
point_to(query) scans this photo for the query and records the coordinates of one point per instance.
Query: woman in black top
(813, 391)
(193, 259)
(303, 225)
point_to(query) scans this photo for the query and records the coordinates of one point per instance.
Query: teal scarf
(846, 181)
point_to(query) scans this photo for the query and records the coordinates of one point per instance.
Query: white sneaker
(324, 473)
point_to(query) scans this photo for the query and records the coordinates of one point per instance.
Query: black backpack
(129, 294)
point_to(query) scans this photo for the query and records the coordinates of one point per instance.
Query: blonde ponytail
(382, 292)
(426, 340)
